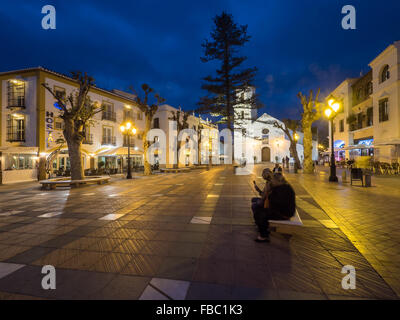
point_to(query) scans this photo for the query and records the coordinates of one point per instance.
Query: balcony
(16, 102)
(108, 140)
(88, 139)
(126, 144)
(15, 136)
(128, 118)
(109, 115)
(132, 142)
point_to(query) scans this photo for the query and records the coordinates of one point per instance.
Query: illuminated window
(15, 128)
(19, 161)
(16, 94)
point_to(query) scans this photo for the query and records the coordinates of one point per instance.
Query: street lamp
(296, 138)
(331, 112)
(129, 131)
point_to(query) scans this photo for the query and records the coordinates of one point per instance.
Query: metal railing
(108, 140)
(109, 115)
(16, 102)
(88, 139)
(16, 136)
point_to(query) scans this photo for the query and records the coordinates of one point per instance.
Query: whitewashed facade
(372, 101)
(264, 141)
(30, 127)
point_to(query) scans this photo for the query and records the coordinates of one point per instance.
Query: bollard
(344, 176)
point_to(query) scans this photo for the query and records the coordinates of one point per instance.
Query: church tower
(245, 115)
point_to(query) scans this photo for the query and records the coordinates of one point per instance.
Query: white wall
(12, 176)
(30, 113)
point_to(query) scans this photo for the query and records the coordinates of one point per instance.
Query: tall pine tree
(225, 88)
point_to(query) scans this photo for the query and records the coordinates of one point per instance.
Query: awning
(359, 146)
(119, 151)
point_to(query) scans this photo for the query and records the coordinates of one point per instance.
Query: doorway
(266, 154)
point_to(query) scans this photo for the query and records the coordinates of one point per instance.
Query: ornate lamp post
(296, 138)
(331, 112)
(129, 131)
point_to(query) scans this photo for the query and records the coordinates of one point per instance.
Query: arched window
(385, 74)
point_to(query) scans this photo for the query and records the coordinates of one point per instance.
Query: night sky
(296, 44)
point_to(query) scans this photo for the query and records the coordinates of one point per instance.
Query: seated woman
(279, 204)
(259, 202)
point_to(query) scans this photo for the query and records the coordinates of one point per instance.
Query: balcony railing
(18, 136)
(109, 141)
(16, 102)
(109, 115)
(88, 139)
(127, 118)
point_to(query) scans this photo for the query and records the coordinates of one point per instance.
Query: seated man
(280, 204)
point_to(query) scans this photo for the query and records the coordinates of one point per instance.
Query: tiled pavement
(174, 236)
(369, 217)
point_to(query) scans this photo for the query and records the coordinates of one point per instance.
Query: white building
(30, 127)
(266, 142)
(369, 122)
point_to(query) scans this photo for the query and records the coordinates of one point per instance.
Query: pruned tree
(290, 127)
(181, 118)
(226, 88)
(149, 109)
(311, 113)
(76, 111)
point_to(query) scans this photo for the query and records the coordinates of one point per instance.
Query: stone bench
(53, 183)
(175, 170)
(294, 221)
(199, 167)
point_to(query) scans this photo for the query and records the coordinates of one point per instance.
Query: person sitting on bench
(259, 202)
(279, 204)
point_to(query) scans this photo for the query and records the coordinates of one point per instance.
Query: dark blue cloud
(296, 45)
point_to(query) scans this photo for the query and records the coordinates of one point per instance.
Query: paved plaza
(191, 236)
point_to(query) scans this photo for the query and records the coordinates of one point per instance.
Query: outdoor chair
(395, 167)
(356, 175)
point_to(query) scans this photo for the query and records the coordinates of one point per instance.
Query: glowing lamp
(335, 106)
(328, 112)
